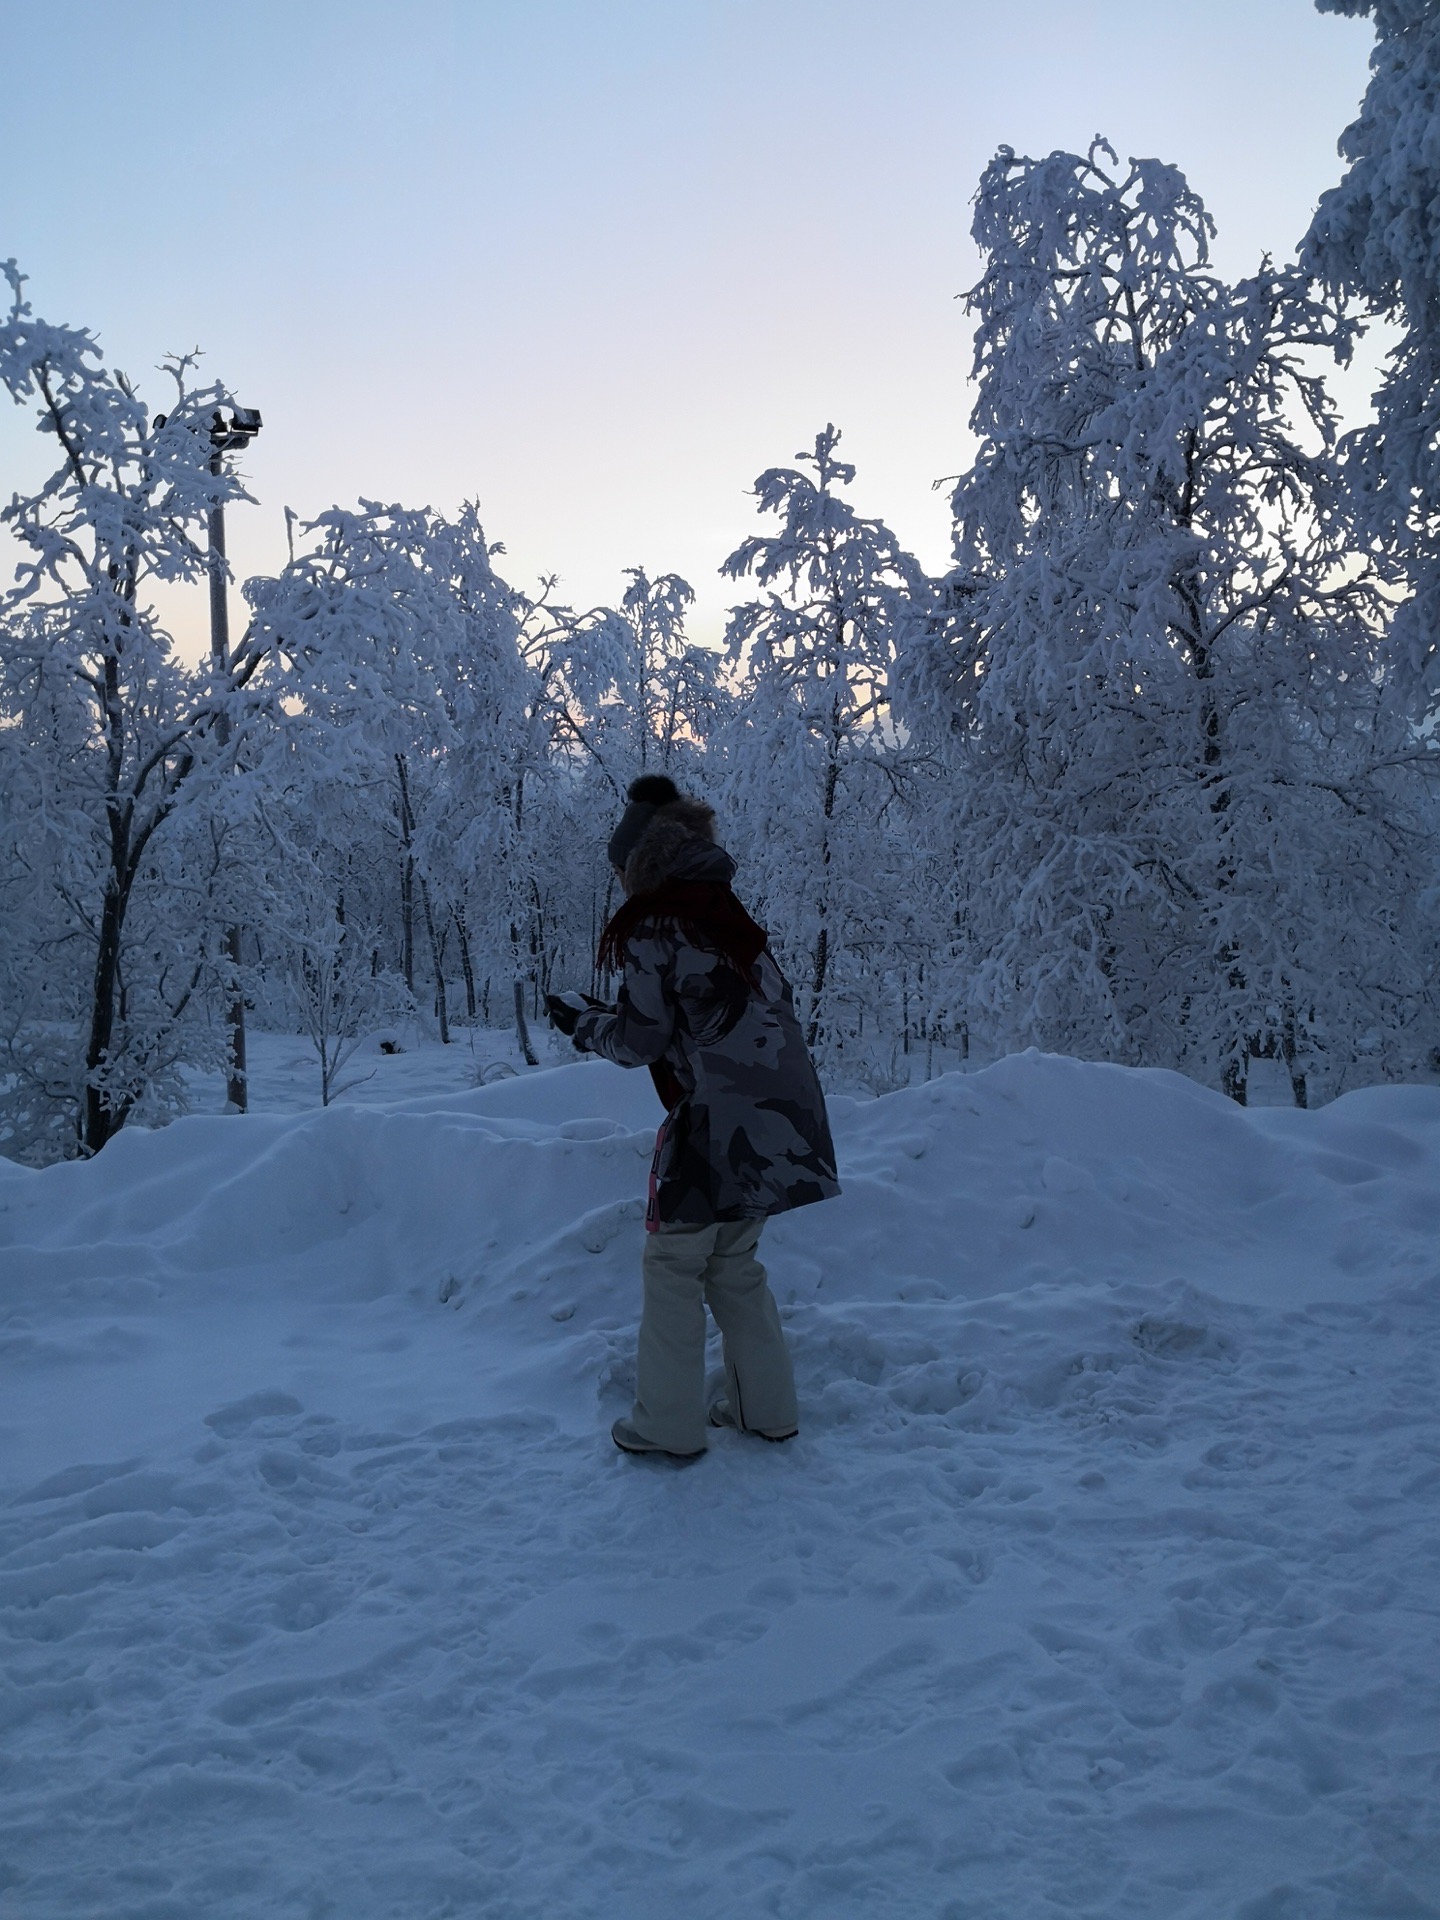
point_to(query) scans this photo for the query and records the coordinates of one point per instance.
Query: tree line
(1146, 774)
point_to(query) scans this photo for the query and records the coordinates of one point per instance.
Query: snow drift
(1099, 1581)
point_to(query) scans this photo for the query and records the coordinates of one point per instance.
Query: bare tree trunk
(522, 1029)
(437, 961)
(595, 933)
(103, 1116)
(1299, 1087)
(407, 877)
(1235, 1076)
(466, 966)
(539, 952)
(100, 1120)
(237, 1078)
(817, 982)
(407, 923)
(822, 942)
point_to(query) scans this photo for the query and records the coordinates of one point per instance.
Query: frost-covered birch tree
(1375, 238)
(112, 749)
(400, 642)
(354, 615)
(472, 846)
(814, 772)
(672, 689)
(1178, 787)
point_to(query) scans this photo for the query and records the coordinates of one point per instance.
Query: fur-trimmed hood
(678, 844)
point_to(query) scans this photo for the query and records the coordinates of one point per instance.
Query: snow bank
(1097, 1583)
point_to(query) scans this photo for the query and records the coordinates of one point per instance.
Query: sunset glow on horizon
(598, 265)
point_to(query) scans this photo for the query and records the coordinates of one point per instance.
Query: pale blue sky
(599, 262)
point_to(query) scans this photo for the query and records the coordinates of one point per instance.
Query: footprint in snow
(240, 1415)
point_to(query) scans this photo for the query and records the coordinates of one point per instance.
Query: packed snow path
(1101, 1581)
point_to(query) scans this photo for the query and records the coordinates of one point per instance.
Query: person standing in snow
(703, 1005)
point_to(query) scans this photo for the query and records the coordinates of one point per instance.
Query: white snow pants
(685, 1270)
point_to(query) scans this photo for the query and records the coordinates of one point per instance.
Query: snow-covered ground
(285, 1077)
(395, 1063)
(1101, 1581)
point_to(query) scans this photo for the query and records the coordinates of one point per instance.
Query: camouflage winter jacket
(749, 1135)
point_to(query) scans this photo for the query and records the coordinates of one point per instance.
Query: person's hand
(564, 1009)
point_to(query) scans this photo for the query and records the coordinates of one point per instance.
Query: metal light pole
(228, 437)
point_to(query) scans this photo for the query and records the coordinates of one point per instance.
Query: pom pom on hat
(650, 791)
(653, 790)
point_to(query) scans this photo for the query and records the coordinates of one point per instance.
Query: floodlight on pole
(228, 436)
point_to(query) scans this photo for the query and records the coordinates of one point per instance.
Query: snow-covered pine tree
(113, 751)
(1157, 656)
(815, 778)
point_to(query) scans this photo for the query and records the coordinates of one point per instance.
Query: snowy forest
(1147, 775)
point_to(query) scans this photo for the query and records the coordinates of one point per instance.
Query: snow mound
(1097, 1582)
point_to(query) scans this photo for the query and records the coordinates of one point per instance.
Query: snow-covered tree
(1157, 661)
(814, 771)
(469, 841)
(322, 945)
(113, 750)
(1376, 238)
(672, 688)
(356, 618)
(402, 648)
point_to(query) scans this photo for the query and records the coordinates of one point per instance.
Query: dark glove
(564, 1009)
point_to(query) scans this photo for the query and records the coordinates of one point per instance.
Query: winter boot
(628, 1440)
(722, 1414)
